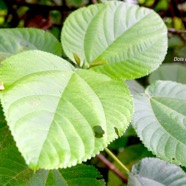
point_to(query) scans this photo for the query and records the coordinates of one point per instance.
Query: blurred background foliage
(49, 15)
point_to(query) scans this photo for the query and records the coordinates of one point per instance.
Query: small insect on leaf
(98, 131)
(116, 131)
(2, 86)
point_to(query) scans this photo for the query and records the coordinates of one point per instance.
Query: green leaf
(80, 175)
(160, 120)
(77, 59)
(13, 169)
(114, 32)
(155, 172)
(76, 3)
(13, 41)
(180, 52)
(3, 5)
(2, 119)
(173, 71)
(83, 175)
(175, 41)
(5, 136)
(36, 62)
(52, 109)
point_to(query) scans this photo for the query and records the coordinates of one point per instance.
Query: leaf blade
(16, 40)
(38, 108)
(127, 48)
(159, 120)
(153, 171)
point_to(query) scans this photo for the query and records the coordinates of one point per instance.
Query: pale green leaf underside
(134, 87)
(155, 172)
(160, 120)
(52, 110)
(172, 71)
(132, 40)
(80, 175)
(13, 41)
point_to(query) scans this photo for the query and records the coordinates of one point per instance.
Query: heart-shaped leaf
(160, 120)
(13, 41)
(115, 38)
(155, 172)
(60, 116)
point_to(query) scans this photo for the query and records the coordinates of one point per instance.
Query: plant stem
(117, 160)
(108, 164)
(174, 31)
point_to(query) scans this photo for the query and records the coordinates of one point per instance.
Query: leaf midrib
(116, 39)
(169, 134)
(80, 113)
(39, 155)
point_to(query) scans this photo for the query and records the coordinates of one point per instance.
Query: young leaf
(52, 109)
(80, 175)
(17, 40)
(120, 34)
(172, 71)
(77, 59)
(155, 172)
(160, 120)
